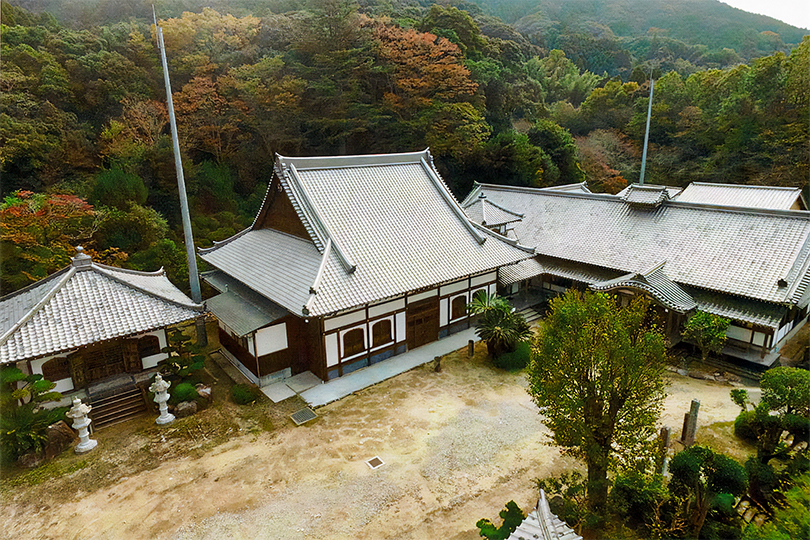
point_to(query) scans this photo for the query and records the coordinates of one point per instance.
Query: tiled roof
(672, 191)
(579, 187)
(542, 524)
(739, 309)
(276, 265)
(518, 272)
(645, 196)
(487, 213)
(774, 197)
(84, 304)
(380, 225)
(657, 284)
(240, 315)
(761, 254)
(240, 308)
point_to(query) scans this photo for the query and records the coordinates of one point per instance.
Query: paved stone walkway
(343, 386)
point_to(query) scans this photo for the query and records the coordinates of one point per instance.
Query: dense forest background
(503, 91)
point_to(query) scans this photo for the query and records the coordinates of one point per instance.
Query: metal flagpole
(193, 276)
(646, 133)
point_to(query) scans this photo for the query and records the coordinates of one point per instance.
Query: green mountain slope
(704, 22)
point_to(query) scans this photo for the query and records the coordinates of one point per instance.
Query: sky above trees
(795, 12)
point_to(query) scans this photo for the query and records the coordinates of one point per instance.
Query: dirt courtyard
(456, 446)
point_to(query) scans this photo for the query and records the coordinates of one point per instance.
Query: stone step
(127, 404)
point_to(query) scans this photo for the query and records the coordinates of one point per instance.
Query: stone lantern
(160, 387)
(81, 422)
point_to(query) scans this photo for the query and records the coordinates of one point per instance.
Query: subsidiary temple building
(353, 260)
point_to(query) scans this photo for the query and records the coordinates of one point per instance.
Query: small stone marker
(470, 348)
(81, 422)
(160, 387)
(690, 424)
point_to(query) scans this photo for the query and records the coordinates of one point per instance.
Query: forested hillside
(86, 158)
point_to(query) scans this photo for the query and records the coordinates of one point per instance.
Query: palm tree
(499, 326)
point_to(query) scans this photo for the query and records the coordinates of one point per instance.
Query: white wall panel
(453, 287)
(400, 327)
(271, 339)
(387, 307)
(422, 296)
(344, 320)
(739, 333)
(443, 312)
(485, 278)
(332, 355)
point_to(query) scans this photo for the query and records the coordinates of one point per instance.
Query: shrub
(242, 394)
(183, 392)
(515, 360)
(745, 426)
(634, 496)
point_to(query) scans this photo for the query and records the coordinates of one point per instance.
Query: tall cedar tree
(595, 374)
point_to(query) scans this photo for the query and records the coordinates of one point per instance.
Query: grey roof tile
(392, 225)
(773, 197)
(85, 304)
(487, 213)
(732, 250)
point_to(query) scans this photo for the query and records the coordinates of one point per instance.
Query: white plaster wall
(444, 311)
(484, 278)
(62, 385)
(152, 361)
(739, 333)
(271, 339)
(332, 354)
(453, 287)
(421, 296)
(759, 339)
(400, 327)
(387, 307)
(343, 320)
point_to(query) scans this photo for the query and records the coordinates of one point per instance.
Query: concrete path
(343, 386)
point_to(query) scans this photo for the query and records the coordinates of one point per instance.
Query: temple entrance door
(422, 322)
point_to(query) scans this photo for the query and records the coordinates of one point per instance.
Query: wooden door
(422, 322)
(132, 360)
(103, 361)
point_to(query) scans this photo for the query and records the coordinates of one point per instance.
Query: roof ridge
(34, 285)
(505, 239)
(448, 198)
(347, 263)
(160, 272)
(218, 244)
(39, 305)
(197, 307)
(745, 186)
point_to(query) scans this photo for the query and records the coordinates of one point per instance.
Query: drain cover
(375, 462)
(303, 416)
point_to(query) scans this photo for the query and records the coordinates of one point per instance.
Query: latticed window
(381, 332)
(458, 308)
(148, 346)
(56, 369)
(354, 342)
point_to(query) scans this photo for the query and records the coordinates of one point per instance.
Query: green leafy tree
(23, 419)
(703, 477)
(790, 520)
(782, 414)
(595, 374)
(184, 356)
(512, 517)
(707, 331)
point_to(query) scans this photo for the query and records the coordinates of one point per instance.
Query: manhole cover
(375, 462)
(303, 416)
